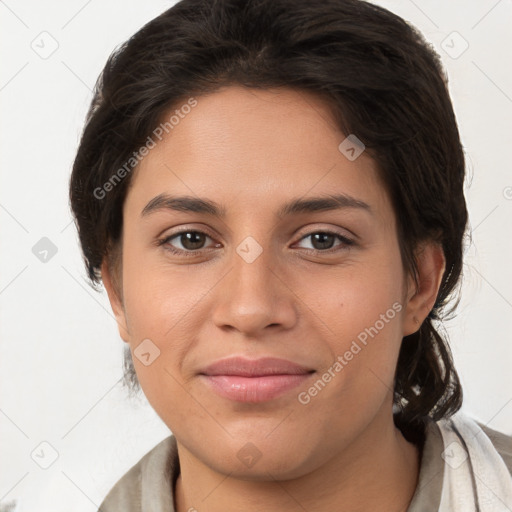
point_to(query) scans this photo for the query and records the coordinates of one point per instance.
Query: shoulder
(150, 476)
(502, 442)
(125, 493)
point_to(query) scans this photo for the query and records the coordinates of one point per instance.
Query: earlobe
(431, 265)
(115, 301)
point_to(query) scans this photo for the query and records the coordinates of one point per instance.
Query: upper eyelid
(182, 230)
(300, 236)
(332, 231)
(208, 231)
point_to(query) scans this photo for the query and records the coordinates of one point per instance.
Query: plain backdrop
(61, 356)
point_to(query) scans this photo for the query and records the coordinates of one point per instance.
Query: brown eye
(185, 241)
(192, 240)
(324, 241)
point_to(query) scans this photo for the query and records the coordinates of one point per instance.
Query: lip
(254, 380)
(261, 367)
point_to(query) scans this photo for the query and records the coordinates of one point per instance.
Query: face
(320, 285)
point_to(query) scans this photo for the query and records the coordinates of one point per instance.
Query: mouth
(261, 380)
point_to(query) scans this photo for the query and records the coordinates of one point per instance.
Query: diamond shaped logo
(249, 249)
(146, 352)
(44, 455)
(351, 147)
(249, 455)
(44, 250)
(454, 45)
(454, 454)
(45, 45)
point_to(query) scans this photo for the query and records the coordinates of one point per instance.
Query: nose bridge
(251, 297)
(252, 272)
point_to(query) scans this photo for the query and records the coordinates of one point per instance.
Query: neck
(377, 471)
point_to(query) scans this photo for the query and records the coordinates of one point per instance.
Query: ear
(431, 264)
(115, 301)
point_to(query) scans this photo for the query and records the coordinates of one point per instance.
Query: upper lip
(244, 367)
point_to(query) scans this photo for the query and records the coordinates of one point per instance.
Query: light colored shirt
(149, 484)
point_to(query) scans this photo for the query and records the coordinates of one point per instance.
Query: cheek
(358, 376)
(164, 313)
(155, 298)
(157, 310)
(160, 324)
(359, 315)
(353, 297)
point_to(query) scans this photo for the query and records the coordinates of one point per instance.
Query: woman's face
(322, 287)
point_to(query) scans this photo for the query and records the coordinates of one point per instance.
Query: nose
(254, 297)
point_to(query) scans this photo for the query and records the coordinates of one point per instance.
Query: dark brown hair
(383, 82)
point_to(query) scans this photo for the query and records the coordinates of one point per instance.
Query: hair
(382, 82)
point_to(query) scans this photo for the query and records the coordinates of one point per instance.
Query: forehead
(251, 147)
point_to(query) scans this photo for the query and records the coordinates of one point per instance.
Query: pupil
(192, 240)
(325, 240)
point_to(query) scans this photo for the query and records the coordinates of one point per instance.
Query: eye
(185, 241)
(323, 241)
(190, 242)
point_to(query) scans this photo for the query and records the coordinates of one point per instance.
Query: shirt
(149, 484)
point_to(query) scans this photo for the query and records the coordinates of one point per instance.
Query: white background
(60, 364)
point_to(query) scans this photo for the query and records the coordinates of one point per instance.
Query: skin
(251, 151)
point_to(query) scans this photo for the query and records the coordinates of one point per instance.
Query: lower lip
(254, 389)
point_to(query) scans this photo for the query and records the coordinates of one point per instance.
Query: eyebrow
(299, 205)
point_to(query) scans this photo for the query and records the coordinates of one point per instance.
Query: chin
(253, 462)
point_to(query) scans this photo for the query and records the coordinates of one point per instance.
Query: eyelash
(347, 242)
